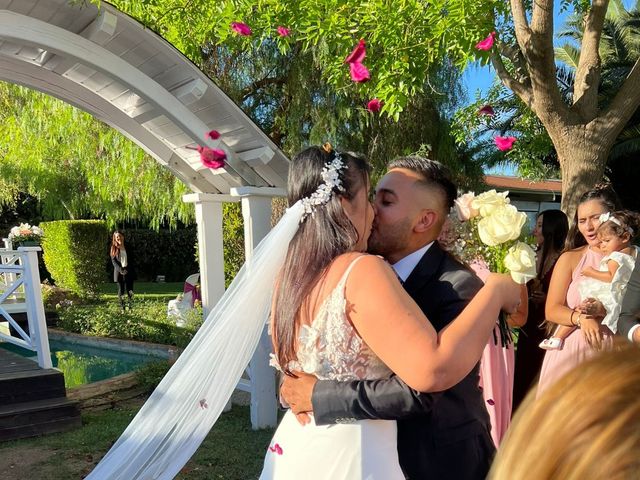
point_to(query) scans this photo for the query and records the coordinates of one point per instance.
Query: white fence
(20, 293)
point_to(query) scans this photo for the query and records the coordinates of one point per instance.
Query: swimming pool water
(83, 364)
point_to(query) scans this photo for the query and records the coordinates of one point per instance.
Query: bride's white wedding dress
(331, 349)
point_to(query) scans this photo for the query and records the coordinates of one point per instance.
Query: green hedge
(74, 252)
(163, 252)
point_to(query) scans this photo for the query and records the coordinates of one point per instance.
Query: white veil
(180, 412)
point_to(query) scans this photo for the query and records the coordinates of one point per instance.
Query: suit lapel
(425, 270)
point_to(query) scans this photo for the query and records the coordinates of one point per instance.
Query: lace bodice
(330, 348)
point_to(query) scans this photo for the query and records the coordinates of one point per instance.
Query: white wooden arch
(109, 65)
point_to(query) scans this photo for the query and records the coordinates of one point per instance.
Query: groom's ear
(426, 220)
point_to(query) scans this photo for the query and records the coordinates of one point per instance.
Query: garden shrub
(74, 252)
(163, 252)
(149, 374)
(54, 297)
(146, 322)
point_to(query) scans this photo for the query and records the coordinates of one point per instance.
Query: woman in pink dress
(497, 365)
(563, 300)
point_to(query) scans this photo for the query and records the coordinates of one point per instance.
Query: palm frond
(568, 54)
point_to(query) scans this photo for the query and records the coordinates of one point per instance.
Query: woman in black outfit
(550, 234)
(123, 268)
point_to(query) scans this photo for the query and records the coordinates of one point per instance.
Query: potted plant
(24, 235)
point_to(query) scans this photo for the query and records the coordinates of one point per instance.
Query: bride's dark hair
(321, 237)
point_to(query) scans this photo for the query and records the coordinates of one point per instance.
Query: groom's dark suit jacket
(445, 435)
(630, 309)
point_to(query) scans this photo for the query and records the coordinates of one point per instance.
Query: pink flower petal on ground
(374, 105)
(241, 28)
(212, 157)
(487, 110)
(487, 43)
(359, 73)
(203, 404)
(213, 135)
(283, 31)
(504, 144)
(358, 53)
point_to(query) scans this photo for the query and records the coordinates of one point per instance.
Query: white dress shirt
(405, 266)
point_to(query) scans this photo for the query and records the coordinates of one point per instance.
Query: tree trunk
(583, 157)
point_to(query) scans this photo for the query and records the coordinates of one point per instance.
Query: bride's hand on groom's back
(510, 291)
(297, 391)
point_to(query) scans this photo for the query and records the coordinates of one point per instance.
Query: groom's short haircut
(434, 174)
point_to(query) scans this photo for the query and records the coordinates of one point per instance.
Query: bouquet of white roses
(25, 232)
(486, 230)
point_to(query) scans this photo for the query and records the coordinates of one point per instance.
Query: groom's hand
(297, 391)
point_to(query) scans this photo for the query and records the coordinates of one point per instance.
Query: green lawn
(147, 290)
(231, 451)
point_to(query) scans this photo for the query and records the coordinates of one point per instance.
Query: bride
(343, 315)
(337, 313)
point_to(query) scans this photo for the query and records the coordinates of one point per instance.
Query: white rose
(486, 203)
(464, 207)
(37, 230)
(521, 263)
(502, 225)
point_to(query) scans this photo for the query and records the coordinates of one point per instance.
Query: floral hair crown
(607, 217)
(322, 195)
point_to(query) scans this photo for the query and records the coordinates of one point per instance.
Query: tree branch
(523, 32)
(587, 79)
(548, 102)
(623, 106)
(258, 84)
(519, 88)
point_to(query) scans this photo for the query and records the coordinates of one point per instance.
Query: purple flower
(359, 73)
(374, 105)
(504, 144)
(213, 135)
(487, 43)
(283, 31)
(487, 110)
(241, 29)
(358, 53)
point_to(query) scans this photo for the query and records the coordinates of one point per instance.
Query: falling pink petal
(283, 31)
(358, 53)
(276, 449)
(212, 157)
(486, 110)
(213, 135)
(491, 402)
(359, 73)
(504, 144)
(241, 29)
(374, 105)
(487, 43)
(203, 404)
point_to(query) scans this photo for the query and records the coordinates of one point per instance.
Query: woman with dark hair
(563, 305)
(550, 234)
(123, 268)
(343, 315)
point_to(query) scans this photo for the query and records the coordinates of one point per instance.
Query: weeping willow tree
(78, 167)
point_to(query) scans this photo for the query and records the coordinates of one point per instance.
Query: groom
(445, 435)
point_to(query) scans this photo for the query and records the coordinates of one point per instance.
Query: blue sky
(479, 78)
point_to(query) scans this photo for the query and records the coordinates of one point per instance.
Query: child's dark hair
(629, 224)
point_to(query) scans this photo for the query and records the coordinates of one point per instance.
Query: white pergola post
(256, 213)
(210, 249)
